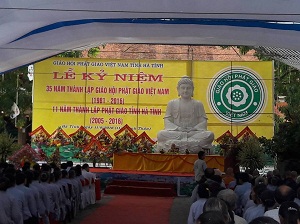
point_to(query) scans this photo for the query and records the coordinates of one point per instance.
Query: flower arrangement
(93, 154)
(124, 142)
(80, 155)
(40, 137)
(42, 154)
(227, 140)
(143, 143)
(173, 149)
(96, 155)
(59, 137)
(104, 138)
(55, 157)
(105, 158)
(25, 154)
(81, 137)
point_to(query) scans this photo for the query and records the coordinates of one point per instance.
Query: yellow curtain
(163, 162)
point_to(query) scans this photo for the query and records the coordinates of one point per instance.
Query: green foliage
(15, 87)
(269, 146)
(285, 143)
(251, 154)
(287, 132)
(71, 54)
(92, 53)
(244, 49)
(8, 145)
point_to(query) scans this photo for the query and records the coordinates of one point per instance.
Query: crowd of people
(48, 194)
(241, 198)
(44, 194)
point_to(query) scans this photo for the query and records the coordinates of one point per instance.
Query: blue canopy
(32, 30)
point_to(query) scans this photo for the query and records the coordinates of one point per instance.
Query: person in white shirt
(196, 208)
(230, 199)
(268, 199)
(258, 209)
(13, 192)
(282, 194)
(199, 166)
(91, 179)
(36, 192)
(44, 199)
(29, 196)
(49, 199)
(69, 165)
(297, 198)
(9, 211)
(216, 205)
(289, 213)
(243, 185)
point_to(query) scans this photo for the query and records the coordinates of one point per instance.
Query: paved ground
(82, 214)
(179, 210)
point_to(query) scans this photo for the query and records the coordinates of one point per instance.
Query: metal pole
(17, 97)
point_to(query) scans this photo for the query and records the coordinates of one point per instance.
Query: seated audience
(297, 198)
(217, 205)
(208, 173)
(289, 213)
(257, 209)
(263, 220)
(273, 183)
(290, 180)
(241, 188)
(196, 208)
(228, 177)
(230, 198)
(282, 194)
(211, 217)
(268, 200)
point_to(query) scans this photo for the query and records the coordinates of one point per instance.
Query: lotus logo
(237, 95)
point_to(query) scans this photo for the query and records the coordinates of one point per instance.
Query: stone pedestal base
(192, 146)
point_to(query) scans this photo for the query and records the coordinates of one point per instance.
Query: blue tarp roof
(32, 30)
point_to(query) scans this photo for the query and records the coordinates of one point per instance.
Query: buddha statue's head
(185, 87)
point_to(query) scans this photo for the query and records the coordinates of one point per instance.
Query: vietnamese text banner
(103, 93)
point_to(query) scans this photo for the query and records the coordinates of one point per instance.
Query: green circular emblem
(237, 94)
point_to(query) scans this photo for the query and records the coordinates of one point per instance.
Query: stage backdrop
(102, 93)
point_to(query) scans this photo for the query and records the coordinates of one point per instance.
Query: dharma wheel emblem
(237, 95)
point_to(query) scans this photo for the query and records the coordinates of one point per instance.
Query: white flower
(237, 95)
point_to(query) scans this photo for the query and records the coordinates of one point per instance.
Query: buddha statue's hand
(193, 129)
(186, 129)
(183, 129)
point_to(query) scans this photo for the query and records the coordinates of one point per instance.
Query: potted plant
(251, 156)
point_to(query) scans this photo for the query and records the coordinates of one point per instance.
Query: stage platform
(184, 182)
(174, 169)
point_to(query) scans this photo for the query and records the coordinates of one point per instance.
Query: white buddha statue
(185, 122)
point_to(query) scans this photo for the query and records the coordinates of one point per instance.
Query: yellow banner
(103, 93)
